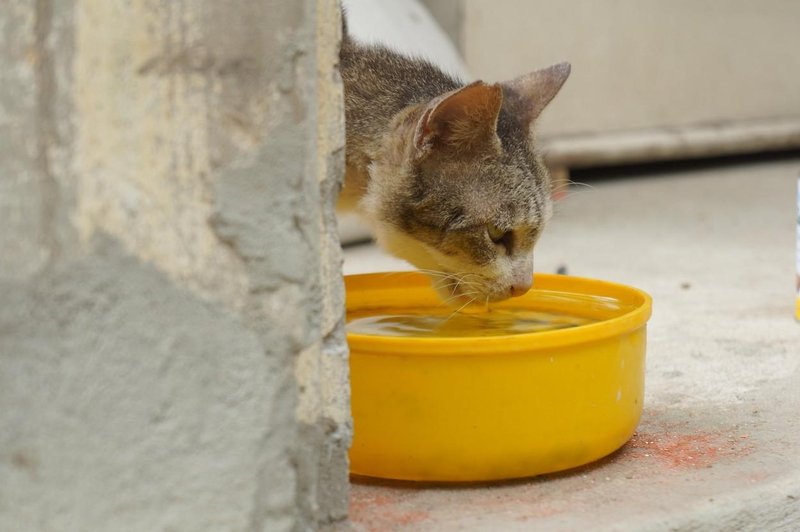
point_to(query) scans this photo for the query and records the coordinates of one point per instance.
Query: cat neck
(380, 87)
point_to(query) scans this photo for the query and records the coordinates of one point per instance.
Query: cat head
(460, 190)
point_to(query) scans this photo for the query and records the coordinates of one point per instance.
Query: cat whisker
(471, 285)
(569, 184)
(452, 289)
(567, 190)
(394, 274)
(457, 296)
(456, 276)
(474, 285)
(471, 295)
(442, 277)
(472, 300)
(433, 272)
(460, 280)
(579, 184)
(444, 281)
(456, 280)
(467, 275)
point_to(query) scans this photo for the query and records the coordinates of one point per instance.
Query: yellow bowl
(499, 407)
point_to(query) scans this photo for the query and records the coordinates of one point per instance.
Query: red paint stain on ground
(688, 451)
(380, 512)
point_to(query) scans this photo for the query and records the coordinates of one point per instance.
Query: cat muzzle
(521, 287)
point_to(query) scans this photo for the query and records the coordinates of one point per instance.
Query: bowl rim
(528, 343)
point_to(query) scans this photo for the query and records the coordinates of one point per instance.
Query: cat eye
(498, 235)
(495, 233)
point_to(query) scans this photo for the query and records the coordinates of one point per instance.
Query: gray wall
(171, 344)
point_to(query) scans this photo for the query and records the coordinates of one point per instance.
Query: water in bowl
(549, 311)
(500, 322)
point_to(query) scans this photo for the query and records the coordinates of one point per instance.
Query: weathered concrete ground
(718, 447)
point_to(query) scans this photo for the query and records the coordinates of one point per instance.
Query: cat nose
(520, 288)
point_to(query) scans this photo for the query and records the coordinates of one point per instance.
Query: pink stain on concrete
(378, 512)
(662, 447)
(687, 451)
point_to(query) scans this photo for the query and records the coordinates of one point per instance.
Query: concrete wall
(171, 345)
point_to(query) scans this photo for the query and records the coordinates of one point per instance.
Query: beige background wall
(640, 64)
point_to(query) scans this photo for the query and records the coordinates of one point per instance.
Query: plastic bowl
(499, 407)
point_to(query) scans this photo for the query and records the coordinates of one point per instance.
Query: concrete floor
(718, 447)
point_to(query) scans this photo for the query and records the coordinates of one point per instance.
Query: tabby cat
(446, 174)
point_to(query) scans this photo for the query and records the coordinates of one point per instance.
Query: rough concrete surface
(171, 345)
(718, 446)
(124, 396)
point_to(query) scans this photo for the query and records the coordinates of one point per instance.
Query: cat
(445, 173)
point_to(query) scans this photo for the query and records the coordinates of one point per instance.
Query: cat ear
(529, 94)
(462, 119)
